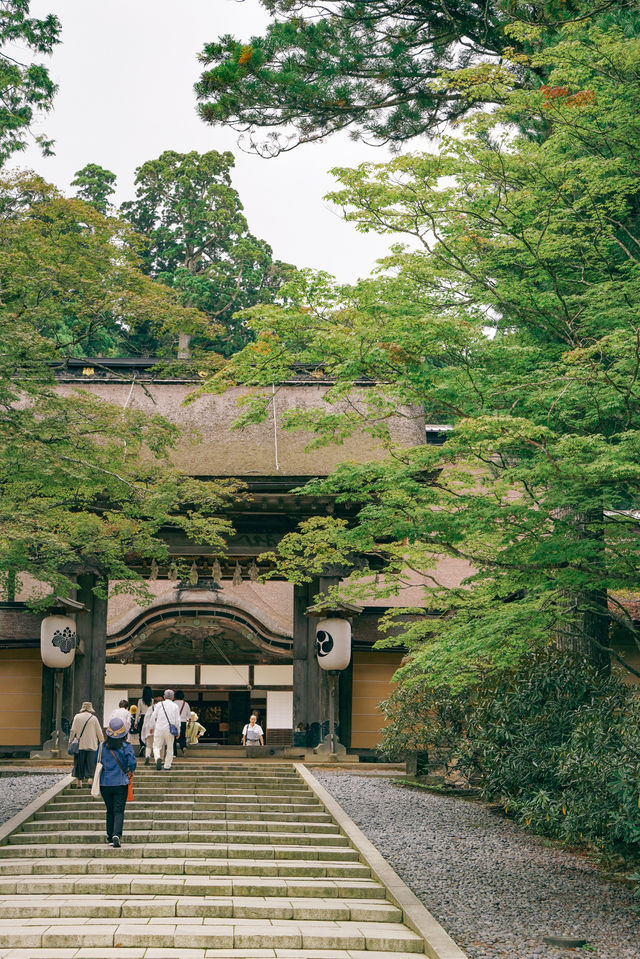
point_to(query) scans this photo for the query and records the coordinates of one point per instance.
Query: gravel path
(496, 890)
(17, 791)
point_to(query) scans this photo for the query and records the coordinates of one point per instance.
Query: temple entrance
(227, 662)
(224, 716)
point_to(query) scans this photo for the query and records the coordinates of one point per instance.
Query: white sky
(126, 70)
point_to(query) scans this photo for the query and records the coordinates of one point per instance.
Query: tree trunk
(184, 339)
(584, 629)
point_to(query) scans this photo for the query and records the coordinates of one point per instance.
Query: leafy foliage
(198, 242)
(552, 741)
(386, 69)
(26, 89)
(83, 484)
(74, 275)
(536, 239)
(95, 186)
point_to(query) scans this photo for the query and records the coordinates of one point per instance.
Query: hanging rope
(275, 425)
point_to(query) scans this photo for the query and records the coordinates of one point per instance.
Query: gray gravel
(497, 890)
(18, 791)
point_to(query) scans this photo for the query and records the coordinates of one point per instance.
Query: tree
(75, 276)
(539, 483)
(198, 242)
(83, 484)
(388, 70)
(95, 186)
(26, 89)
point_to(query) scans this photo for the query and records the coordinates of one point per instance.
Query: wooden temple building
(231, 643)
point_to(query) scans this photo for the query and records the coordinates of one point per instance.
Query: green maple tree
(84, 484)
(510, 313)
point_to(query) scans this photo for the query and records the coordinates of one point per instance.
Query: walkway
(237, 860)
(498, 890)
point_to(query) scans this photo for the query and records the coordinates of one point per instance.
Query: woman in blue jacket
(118, 760)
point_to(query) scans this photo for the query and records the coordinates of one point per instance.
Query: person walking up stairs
(232, 857)
(166, 725)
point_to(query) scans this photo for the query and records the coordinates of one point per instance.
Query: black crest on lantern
(324, 643)
(64, 639)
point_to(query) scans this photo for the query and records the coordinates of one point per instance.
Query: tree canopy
(95, 186)
(197, 240)
(387, 70)
(83, 484)
(510, 313)
(26, 88)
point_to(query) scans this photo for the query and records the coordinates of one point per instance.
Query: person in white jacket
(165, 715)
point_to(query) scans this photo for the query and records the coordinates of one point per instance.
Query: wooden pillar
(46, 715)
(345, 699)
(310, 692)
(306, 679)
(90, 664)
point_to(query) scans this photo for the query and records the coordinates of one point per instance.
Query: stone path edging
(438, 943)
(32, 808)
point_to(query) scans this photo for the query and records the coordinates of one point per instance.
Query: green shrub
(555, 743)
(560, 747)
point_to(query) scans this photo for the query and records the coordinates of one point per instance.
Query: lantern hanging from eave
(333, 643)
(58, 641)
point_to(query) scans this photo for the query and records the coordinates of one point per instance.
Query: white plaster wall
(273, 675)
(280, 708)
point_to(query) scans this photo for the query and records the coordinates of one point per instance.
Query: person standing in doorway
(87, 730)
(194, 730)
(166, 718)
(185, 711)
(118, 760)
(252, 734)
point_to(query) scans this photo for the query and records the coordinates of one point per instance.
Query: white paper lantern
(58, 641)
(333, 643)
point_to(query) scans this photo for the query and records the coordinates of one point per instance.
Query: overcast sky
(126, 70)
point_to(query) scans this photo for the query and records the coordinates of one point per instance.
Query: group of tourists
(155, 716)
(106, 753)
(164, 724)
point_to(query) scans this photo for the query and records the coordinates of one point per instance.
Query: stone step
(246, 797)
(182, 953)
(189, 850)
(65, 805)
(236, 768)
(205, 904)
(157, 812)
(150, 784)
(186, 774)
(196, 932)
(150, 781)
(183, 833)
(192, 824)
(267, 871)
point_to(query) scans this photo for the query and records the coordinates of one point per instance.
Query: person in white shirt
(252, 734)
(185, 712)
(165, 715)
(145, 704)
(122, 712)
(146, 735)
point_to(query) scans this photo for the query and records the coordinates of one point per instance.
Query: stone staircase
(226, 860)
